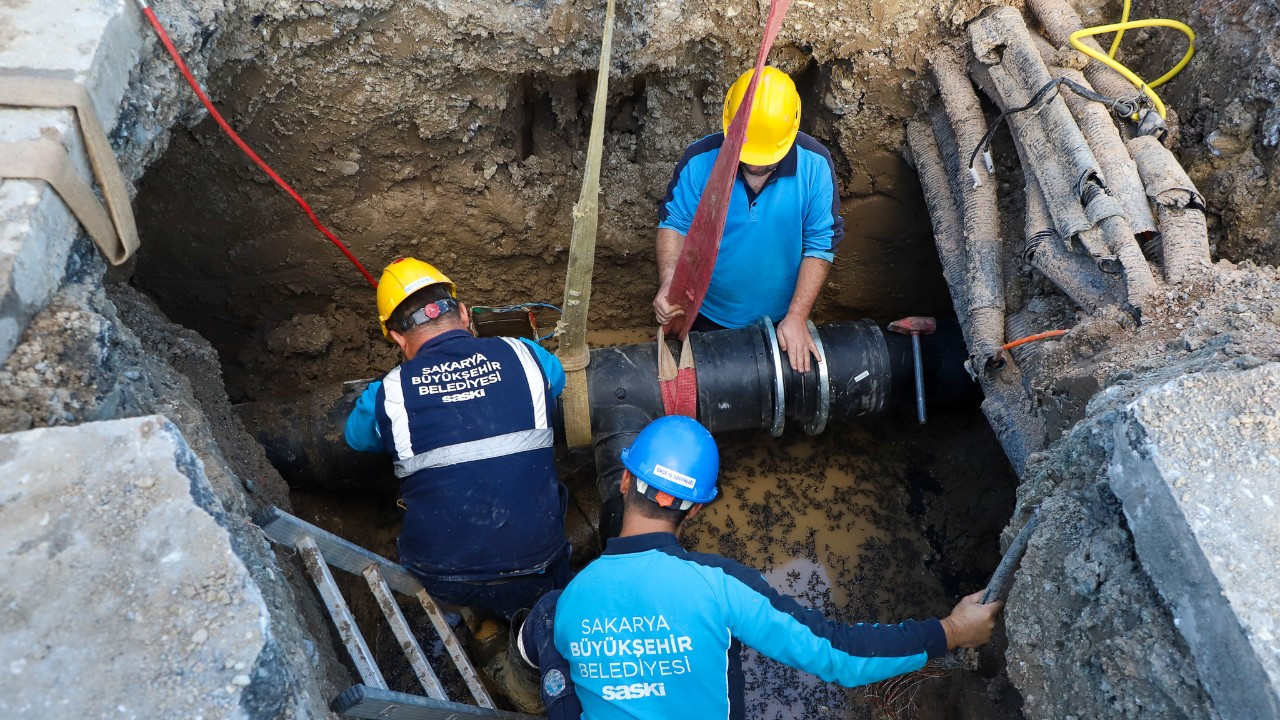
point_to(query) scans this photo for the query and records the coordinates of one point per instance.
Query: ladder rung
(400, 626)
(342, 554)
(340, 613)
(454, 647)
(285, 528)
(360, 701)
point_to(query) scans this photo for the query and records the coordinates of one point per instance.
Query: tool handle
(1002, 578)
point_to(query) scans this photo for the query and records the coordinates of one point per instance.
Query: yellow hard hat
(775, 115)
(402, 278)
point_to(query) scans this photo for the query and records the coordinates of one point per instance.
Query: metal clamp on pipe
(779, 387)
(818, 422)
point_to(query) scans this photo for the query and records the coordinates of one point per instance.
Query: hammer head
(914, 325)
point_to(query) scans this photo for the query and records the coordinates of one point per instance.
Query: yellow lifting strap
(117, 235)
(572, 328)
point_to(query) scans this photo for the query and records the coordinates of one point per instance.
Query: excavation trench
(476, 168)
(873, 520)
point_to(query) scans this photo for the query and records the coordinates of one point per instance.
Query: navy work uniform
(651, 630)
(468, 422)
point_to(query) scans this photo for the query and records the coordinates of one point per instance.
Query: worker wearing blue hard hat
(651, 630)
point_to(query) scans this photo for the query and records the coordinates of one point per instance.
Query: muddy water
(825, 519)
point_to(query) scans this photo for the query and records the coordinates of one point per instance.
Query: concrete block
(1197, 468)
(96, 44)
(122, 596)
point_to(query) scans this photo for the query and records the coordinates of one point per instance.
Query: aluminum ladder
(372, 698)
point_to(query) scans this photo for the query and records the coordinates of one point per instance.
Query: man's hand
(665, 311)
(797, 343)
(970, 622)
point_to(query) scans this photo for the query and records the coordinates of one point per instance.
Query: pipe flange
(779, 387)
(818, 422)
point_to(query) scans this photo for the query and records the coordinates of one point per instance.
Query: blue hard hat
(675, 455)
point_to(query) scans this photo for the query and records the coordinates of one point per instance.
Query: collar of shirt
(639, 543)
(786, 168)
(442, 337)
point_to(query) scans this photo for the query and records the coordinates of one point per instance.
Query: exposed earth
(455, 131)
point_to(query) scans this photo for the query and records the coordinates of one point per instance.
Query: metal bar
(919, 367)
(360, 701)
(285, 528)
(399, 626)
(347, 630)
(456, 652)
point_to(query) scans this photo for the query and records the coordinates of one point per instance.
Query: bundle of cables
(1121, 107)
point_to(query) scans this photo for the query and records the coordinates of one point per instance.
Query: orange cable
(1032, 338)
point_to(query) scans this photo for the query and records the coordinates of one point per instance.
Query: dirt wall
(456, 131)
(1230, 121)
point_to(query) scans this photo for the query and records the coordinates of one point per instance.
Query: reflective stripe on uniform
(537, 386)
(394, 407)
(483, 449)
(541, 436)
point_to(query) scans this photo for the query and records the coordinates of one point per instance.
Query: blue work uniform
(650, 630)
(796, 215)
(468, 422)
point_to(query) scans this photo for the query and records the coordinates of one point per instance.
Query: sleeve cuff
(821, 255)
(683, 230)
(935, 638)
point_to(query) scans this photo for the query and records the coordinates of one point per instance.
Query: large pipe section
(744, 382)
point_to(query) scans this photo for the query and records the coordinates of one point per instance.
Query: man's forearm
(670, 243)
(813, 275)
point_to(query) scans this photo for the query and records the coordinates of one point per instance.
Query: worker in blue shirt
(783, 224)
(468, 422)
(651, 630)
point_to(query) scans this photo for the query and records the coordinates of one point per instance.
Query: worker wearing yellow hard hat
(403, 278)
(783, 224)
(467, 421)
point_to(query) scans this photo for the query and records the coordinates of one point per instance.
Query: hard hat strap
(429, 312)
(663, 499)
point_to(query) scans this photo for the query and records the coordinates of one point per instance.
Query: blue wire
(525, 306)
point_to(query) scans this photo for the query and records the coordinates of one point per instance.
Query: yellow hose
(1115, 44)
(1110, 61)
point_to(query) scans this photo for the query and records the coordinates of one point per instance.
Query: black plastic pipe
(744, 382)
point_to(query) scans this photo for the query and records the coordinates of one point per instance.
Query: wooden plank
(456, 652)
(285, 528)
(316, 566)
(400, 626)
(360, 701)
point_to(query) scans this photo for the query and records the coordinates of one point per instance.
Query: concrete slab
(122, 596)
(1197, 468)
(96, 44)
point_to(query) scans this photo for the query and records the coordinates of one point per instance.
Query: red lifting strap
(678, 383)
(698, 258)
